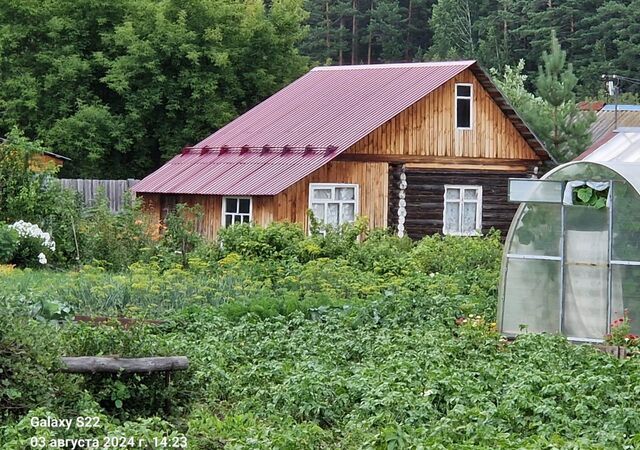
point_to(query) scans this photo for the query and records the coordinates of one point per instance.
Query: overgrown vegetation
(308, 342)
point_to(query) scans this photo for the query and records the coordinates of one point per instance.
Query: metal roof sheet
(605, 121)
(612, 107)
(620, 146)
(329, 109)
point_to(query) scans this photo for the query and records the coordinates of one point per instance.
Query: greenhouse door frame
(562, 254)
(562, 259)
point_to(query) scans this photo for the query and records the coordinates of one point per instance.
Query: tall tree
(120, 85)
(556, 82)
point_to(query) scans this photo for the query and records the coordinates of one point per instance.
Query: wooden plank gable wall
(425, 132)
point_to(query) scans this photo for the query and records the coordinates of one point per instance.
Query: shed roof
(621, 145)
(306, 125)
(628, 116)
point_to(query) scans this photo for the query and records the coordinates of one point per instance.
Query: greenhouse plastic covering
(574, 269)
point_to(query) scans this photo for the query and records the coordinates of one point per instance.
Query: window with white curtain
(334, 204)
(462, 210)
(236, 210)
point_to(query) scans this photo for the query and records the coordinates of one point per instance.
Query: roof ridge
(395, 65)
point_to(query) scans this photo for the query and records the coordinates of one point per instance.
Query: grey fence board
(114, 189)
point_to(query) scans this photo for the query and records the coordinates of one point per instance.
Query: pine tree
(556, 83)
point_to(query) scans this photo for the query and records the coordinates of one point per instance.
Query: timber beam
(104, 364)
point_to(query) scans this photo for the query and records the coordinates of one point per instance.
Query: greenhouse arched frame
(571, 262)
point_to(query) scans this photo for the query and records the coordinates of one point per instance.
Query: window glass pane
(538, 230)
(525, 190)
(532, 296)
(319, 193)
(345, 193)
(228, 220)
(348, 212)
(469, 218)
(245, 219)
(471, 194)
(231, 205)
(626, 223)
(464, 91)
(463, 119)
(625, 292)
(451, 218)
(452, 194)
(244, 205)
(318, 211)
(333, 213)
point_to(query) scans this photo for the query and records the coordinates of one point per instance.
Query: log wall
(425, 199)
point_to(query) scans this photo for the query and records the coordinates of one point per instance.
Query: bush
(280, 240)
(454, 254)
(9, 241)
(29, 352)
(181, 236)
(34, 245)
(113, 241)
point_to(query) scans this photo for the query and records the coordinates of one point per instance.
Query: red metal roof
(329, 109)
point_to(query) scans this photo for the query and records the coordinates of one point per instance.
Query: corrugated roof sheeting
(605, 121)
(233, 173)
(334, 107)
(621, 146)
(328, 108)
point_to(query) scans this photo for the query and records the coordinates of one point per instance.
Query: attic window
(464, 107)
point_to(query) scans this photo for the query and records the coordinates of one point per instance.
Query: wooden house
(423, 148)
(47, 161)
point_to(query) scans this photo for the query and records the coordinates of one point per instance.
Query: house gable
(427, 129)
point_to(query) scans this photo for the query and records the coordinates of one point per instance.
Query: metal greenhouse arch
(571, 263)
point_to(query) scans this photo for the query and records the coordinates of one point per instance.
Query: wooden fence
(114, 189)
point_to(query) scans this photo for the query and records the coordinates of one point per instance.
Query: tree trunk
(94, 364)
(340, 54)
(370, 36)
(406, 47)
(328, 26)
(354, 32)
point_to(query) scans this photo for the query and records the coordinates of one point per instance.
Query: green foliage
(9, 241)
(118, 86)
(569, 133)
(29, 353)
(181, 234)
(385, 344)
(588, 196)
(113, 240)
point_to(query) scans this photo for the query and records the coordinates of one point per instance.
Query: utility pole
(613, 87)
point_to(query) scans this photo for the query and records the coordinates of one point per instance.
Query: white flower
(42, 259)
(26, 229)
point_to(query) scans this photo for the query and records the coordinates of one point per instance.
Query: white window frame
(461, 201)
(233, 215)
(333, 186)
(464, 97)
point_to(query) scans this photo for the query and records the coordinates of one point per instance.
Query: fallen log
(110, 364)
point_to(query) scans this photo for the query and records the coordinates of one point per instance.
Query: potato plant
(375, 344)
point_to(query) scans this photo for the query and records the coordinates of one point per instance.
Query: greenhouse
(572, 255)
